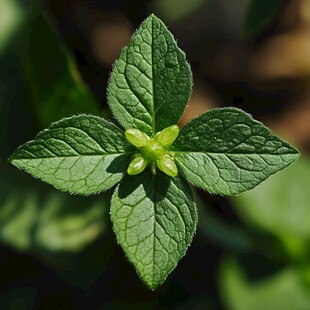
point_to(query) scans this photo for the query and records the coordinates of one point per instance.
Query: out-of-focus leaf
(17, 215)
(284, 290)
(259, 15)
(13, 13)
(221, 232)
(52, 77)
(49, 220)
(69, 223)
(13, 100)
(43, 73)
(174, 10)
(280, 206)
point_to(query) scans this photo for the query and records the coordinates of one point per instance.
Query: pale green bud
(136, 137)
(167, 165)
(167, 136)
(137, 165)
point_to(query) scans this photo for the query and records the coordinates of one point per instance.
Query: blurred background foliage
(57, 251)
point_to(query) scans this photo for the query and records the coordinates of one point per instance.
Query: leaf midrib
(72, 156)
(217, 153)
(153, 194)
(153, 88)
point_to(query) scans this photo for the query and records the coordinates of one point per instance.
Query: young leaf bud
(137, 165)
(167, 136)
(167, 165)
(136, 137)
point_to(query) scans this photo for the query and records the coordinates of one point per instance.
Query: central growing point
(153, 151)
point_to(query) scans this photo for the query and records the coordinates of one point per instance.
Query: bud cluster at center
(153, 150)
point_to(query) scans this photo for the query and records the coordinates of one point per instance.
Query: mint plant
(153, 211)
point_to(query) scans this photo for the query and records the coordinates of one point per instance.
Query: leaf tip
(151, 282)
(153, 17)
(13, 161)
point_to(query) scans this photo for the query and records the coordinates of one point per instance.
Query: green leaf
(52, 76)
(154, 218)
(226, 152)
(259, 14)
(151, 81)
(82, 154)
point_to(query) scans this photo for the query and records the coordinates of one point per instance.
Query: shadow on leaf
(145, 184)
(119, 164)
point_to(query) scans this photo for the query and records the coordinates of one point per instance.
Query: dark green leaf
(154, 218)
(226, 152)
(151, 81)
(82, 154)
